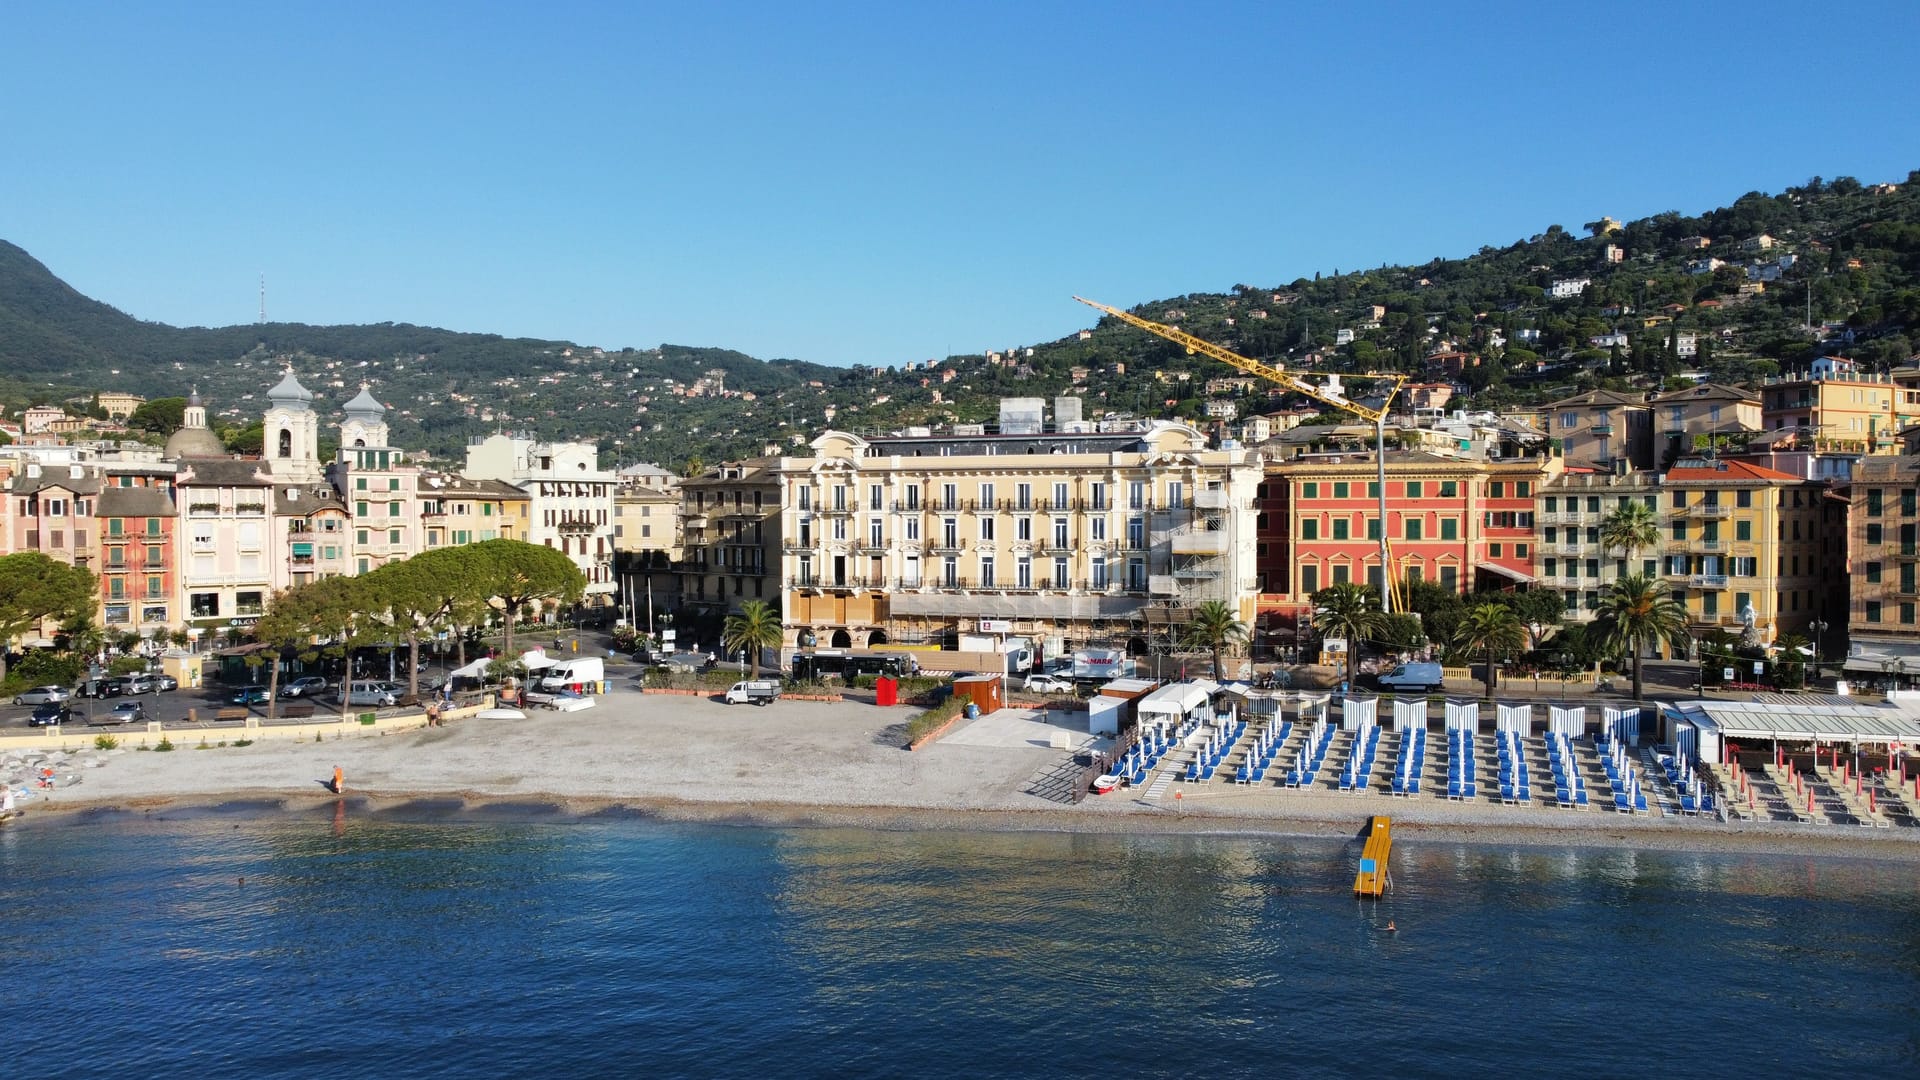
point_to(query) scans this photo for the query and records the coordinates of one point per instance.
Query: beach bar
(1702, 729)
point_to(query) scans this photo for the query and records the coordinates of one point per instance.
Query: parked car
(49, 714)
(138, 684)
(248, 695)
(125, 712)
(100, 688)
(43, 695)
(377, 694)
(165, 682)
(304, 686)
(1048, 684)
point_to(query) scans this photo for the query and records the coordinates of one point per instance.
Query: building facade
(1089, 538)
(570, 504)
(1745, 546)
(1883, 547)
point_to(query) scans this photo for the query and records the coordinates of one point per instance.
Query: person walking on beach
(339, 780)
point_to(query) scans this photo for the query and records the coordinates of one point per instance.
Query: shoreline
(554, 808)
(807, 765)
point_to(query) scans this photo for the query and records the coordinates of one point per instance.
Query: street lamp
(1818, 626)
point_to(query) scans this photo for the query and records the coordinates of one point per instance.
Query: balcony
(828, 511)
(1707, 545)
(1561, 517)
(1567, 547)
(1601, 427)
(870, 548)
(1210, 500)
(1710, 510)
(1707, 581)
(1906, 588)
(953, 548)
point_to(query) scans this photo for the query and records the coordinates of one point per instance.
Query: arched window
(286, 443)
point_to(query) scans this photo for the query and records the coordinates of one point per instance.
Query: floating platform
(1374, 877)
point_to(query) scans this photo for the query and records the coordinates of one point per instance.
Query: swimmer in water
(1392, 929)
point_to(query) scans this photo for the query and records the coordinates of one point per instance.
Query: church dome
(194, 442)
(365, 409)
(289, 394)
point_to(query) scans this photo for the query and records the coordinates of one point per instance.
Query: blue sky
(853, 183)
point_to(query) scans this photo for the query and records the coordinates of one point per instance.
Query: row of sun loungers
(1569, 790)
(1261, 752)
(1360, 762)
(1460, 766)
(1621, 777)
(1306, 764)
(1412, 763)
(1212, 750)
(1512, 759)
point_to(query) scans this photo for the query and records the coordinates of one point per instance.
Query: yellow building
(1105, 539)
(646, 520)
(1883, 602)
(1746, 545)
(1862, 413)
(455, 511)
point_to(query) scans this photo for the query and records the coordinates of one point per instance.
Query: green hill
(1841, 275)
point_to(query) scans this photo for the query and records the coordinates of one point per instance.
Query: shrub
(164, 744)
(105, 742)
(932, 718)
(127, 665)
(243, 742)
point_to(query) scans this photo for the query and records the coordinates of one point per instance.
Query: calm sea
(471, 946)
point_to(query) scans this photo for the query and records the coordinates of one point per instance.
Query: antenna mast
(263, 298)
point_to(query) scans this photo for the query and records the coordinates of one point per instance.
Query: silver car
(43, 695)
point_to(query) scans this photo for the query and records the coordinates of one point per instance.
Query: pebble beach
(796, 763)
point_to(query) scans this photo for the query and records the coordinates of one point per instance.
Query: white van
(584, 671)
(378, 694)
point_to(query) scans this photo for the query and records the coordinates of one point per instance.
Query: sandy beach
(812, 764)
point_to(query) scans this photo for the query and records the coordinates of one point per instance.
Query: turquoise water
(621, 948)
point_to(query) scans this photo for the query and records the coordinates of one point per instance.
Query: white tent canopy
(475, 670)
(1175, 700)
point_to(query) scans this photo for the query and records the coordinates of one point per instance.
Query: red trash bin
(886, 691)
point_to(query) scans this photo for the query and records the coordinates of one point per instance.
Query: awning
(535, 659)
(475, 670)
(1511, 575)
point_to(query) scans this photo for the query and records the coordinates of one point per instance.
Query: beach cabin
(1115, 706)
(987, 693)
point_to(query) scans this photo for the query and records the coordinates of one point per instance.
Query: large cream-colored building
(1097, 538)
(1863, 413)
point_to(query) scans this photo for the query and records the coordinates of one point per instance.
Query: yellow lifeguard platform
(1374, 877)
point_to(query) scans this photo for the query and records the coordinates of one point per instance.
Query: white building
(1566, 287)
(571, 507)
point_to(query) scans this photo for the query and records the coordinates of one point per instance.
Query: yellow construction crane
(1328, 393)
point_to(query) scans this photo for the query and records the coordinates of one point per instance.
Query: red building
(138, 579)
(1464, 524)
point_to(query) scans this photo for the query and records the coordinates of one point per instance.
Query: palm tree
(1213, 626)
(1494, 629)
(1349, 611)
(1791, 670)
(1635, 613)
(1631, 527)
(756, 627)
